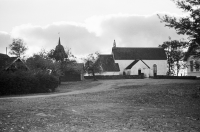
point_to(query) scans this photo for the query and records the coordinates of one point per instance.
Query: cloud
(137, 31)
(5, 40)
(95, 34)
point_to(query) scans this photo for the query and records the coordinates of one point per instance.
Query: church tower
(114, 44)
(59, 52)
(59, 41)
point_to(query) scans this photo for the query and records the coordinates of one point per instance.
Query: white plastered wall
(109, 73)
(161, 67)
(103, 73)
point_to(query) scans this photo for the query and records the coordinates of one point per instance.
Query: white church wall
(103, 73)
(108, 73)
(161, 67)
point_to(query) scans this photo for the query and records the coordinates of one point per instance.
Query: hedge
(26, 82)
(173, 77)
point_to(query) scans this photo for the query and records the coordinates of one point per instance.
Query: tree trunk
(177, 66)
(93, 74)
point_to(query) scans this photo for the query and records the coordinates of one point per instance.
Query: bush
(45, 83)
(22, 82)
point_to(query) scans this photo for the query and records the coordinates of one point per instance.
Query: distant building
(193, 65)
(11, 63)
(134, 60)
(75, 72)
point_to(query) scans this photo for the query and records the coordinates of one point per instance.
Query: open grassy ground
(115, 106)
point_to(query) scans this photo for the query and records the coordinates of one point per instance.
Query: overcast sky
(85, 26)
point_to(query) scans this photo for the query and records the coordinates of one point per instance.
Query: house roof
(140, 53)
(132, 64)
(6, 61)
(135, 62)
(108, 64)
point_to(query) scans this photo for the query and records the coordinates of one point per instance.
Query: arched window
(154, 69)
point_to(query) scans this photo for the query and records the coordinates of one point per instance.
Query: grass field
(143, 105)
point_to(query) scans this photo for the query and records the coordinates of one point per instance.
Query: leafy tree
(189, 25)
(175, 54)
(17, 47)
(92, 64)
(41, 62)
(66, 65)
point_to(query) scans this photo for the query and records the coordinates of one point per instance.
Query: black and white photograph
(99, 65)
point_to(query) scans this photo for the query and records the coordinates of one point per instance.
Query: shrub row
(173, 77)
(26, 82)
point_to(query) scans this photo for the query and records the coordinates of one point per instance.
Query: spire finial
(114, 44)
(59, 41)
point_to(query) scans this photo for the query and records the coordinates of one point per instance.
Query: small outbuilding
(74, 73)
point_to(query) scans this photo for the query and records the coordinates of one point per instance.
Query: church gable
(135, 62)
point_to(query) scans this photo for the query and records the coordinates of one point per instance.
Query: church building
(134, 61)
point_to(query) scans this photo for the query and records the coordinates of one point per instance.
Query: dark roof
(129, 53)
(108, 64)
(3, 55)
(135, 62)
(132, 64)
(6, 61)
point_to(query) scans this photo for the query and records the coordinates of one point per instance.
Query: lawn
(129, 106)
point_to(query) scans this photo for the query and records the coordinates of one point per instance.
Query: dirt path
(107, 85)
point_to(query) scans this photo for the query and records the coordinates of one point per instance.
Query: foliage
(58, 54)
(46, 83)
(189, 25)
(175, 53)
(92, 64)
(17, 47)
(70, 54)
(69, 66)
(21, 82)
(41, 62)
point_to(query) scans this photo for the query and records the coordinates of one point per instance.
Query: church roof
(108, 64)
(140, 53)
